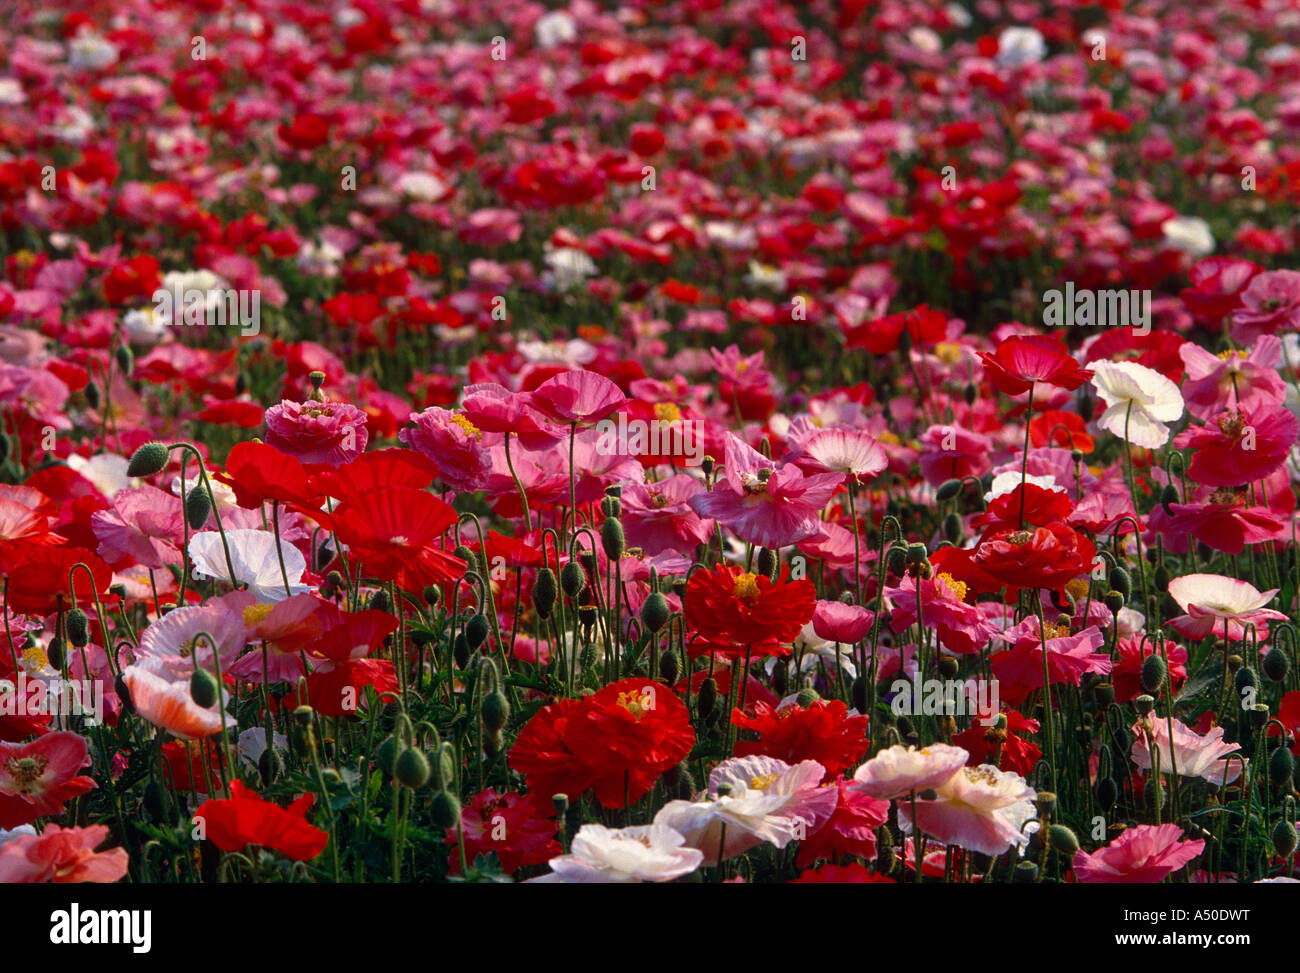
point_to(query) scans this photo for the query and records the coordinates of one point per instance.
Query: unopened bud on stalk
(948, 490)
(56, 652)
(476, 631)
(807, 697)
(1284, 838)
(1154, 673)
(460, 650)
(1276, 665)
(1120, 581)
(78, 628)
(125, 359)
(948, 667)
(203, 688)
(952, 529)
(270, 765)
(669, 666)
(611, 507)
(970, 393)
(1281, 765)
(1113, 601)
(572, 579)
(149, 459)
(93, 398)
(612, 539)
(379, 601)
(495, 711)
(198, 505)
(1168, 497)
(445, 810)
(432, 595)
(412, 768)
(708, 696)
(769, 565)
(1062, 840)
(655, 612)
(1107, 792)
(545, 591)
(1244, 679)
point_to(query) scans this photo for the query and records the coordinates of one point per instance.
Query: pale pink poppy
(1213, 600)
(978, 808)
(1232, 380)
(1192, 754)
(61, 855)
(1144, 854)
(900, 770)
(168, 704)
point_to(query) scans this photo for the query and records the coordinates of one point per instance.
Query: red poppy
(376, 470)
(1217, 284)
(734, 610)
(37, 578)
(630, 732)
(246, 819)
(854, 873)
(851, 829)
(392, 534)
(824, 732)
(1017, 754)
(881, 336)
(1126, 672)
(341, 669)
(1071, 434)
(185, 767)
(1023, 360)
(258, 472)
(1156, 350)
(519, 830)
(1041, 506)
(542, 756)
(1045, 557)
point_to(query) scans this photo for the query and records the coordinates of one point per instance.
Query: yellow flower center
(35, 658)
(667, 412)
(947, 352)
(888, 437)
(958, 588)
(1226, 355)
(746, 586)
(469, 427)
(762, 783)
(254, 614)
(1019, 537)
(632, 703)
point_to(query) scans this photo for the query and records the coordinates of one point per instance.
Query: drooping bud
(412, 768)
(1062, 840)
(198, 505)
(573, 579)
(1284, 838)
(476, 631)
(495, 711)
(612, 539)
(1276, 665)
(655, 612)
(203, 688)
(1121, 581)
(149, 459)
(445, 809)
(769, 565)
(545, 591)
(78, 628)
(948, 490)
(125, 359)
(1154, 673)
(807, 697)
(708, 696)
(1281, 765)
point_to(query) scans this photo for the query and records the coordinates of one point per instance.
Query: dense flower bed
(715, 440)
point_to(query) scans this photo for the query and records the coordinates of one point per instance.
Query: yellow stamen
(469, 427)
(958, 588)
(254, 614)
(746, 586)
(667, 412)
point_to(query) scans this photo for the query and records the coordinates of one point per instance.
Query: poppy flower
(1228, 527)
(258, 472)
(854, 873)
(641, 853)
(494, 408)
(850, 830)
(36, 578)
(62, 855)
(1269, 303)
(1014, 752)
(255, 556)
(1206, 756)
(542, 756)
(1217, 283)
(961, 626)
(1055, 427)
(376, 470)
(1233, 379)
(393, 533)
(1049, 556)
(341, 669)
(1022, 361)
(508, 825)
(168, 704)
(245, 818)
(1213, 603)
(454, 444)
(629, 732)
(838, 622)
(898, 770)
(332, 433)
(38, 778)
(824, 731)
(733, 610)
(1070, 656)
(764, 504)
(577, 398)
(981, 809)
(1143, 854)
(1242, 446)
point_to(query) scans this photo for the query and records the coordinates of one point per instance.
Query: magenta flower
(763, 504)
(577, 397)
(494, 408)
(658, 517)
(853, 452)
(1144, 854)
(1240, 447)
(835, 621)
(454, 443)
(1070, 657)
(961, 627)
(144, 525)
(1270, 303)
(1232, 380)
(333, 433)
(950, 452)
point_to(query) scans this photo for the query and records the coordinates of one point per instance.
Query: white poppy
(253, 556)
(1139, 402)
(646, 853)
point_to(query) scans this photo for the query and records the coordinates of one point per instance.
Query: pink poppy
(763, 504)
(658, 517)
(853, 452)
(951, 452)
(900, 770)
(1213, 600)
(962, 627)
(980, 809)
(454, 443)
(1232, 380)
(1143, 854)
(332, 433)
(37, 778)
(61, 855)
(835, 621)
(1019, 669)
(1235, 448)
(494, 408)
(578, 398)
(1192, 754)
(1270, 303)
(169, 705)
(1226, 527)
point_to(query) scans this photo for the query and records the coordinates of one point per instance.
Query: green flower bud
(125, 359)
(460, 650)
(1154, 673)
(445, 810)
(1062, 840)
(495, 711)
(78, 628)
(573, 579)
(1284, 838)
(708, 696)
(476, 631)
(203, 688)
(93, 398)
(270, 765)
(545, 591)
(412, 768)
(669, 666)
(56, 652)
(1276, 665)
(655, 612)
(807, 697)
(198, 505)
(1107, 792)
(386, 756)
(769, 565)
(611, 538)
(952, 529)
(1281, 765)
(948, 490)
(1168, 497)
(1120, 581)
(149, 459)
(432, 595)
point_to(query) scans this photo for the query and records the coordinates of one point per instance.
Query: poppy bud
(124, 694)
(780, 676)
(669, 666)
(886, 860)
(1104, 694)
(1155, 794)
(270, 765)
(1144, 704)
(149, 459)
(445, 810)
(203, 688)
(412, 768)
(380, 602)
(545, 591)
(916, 554)
(1168, 497)
(1281, 765)
(655, 612)
(1062, 840)
(1276, 665)
(858, 692)
(93, 398)
(612, 539)
(1160, 578)
(198, 505)
(970, 393)
(476, 631)
(55, 652)
(572, 579)
(952, 529)
(6, 447)
(1113, 601)
(1245, 679)
(77, 627)
(432, 595)
(948, 490)
(896, 561)
(1121, 582)
(807, 697)
(1284, 838)
(1154, 673)
(708, 696)
(460, 650)
(155, 802)
(493, 744)
(1026, 873)
(769, 565)
(948, 667)
(495, 711)
(468, 556)
(125, 359)
(386, 756)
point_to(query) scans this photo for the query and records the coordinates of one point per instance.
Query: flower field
(701, 442)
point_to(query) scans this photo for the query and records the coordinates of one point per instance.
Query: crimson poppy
(733, 610)
(245, 819)
(1023, 360)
